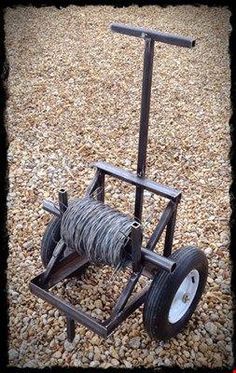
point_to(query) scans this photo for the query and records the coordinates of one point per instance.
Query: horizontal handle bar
(130, 178)
(163, 37)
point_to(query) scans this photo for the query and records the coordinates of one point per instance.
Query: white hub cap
(184, 296)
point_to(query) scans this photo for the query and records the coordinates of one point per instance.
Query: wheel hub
(184, 296)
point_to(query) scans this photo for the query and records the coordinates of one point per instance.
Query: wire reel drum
(97, 231)
(93, 229)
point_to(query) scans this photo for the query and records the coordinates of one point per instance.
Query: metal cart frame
(144, 260)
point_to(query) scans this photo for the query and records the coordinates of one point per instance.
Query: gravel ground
(74, 97)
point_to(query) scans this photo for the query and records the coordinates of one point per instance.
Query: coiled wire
(96, 230)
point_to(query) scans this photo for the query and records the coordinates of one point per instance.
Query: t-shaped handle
(150, 37)
(163, 37)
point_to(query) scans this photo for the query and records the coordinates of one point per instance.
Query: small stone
(135, 354)
(28, 245)
(68, 346)
(149, 359)
(94, 364)
(187, 354)
(98, 303)
(196, 337)
(13, 354)
(135, 342)
(77, 362)
(57, 355)
(128, 364)
(77, 339)
(167, 362)
(14, 294)
(115, 362)
(30, 364)
(214, 317)
(208, 251)
(106, 365)
(95, 340)
(203, 347)
(61, 337)
(211, 328)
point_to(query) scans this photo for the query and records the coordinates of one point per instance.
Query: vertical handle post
(144, 118)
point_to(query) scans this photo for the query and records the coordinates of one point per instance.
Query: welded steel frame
(144, 260)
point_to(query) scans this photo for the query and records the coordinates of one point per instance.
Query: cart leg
(70, 329)
(170, 234)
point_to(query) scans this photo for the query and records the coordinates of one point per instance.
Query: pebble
(94, 364)
(77, 339)
(135, 342)
(128, 364)
(30, 364)
(77, 362)
(211, 328)
(13, 354)
(115, 362)
(28, 245)
(95, 340)
(186, 353)
(68, 346)
(203, 347)
(57, 355)
(208, 251)
(167, 362)
(61, 337)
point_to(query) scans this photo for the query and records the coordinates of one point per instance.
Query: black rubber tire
(49, 241)
(163, 289)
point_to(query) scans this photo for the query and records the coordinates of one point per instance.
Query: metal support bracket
(97, 186)
(136, 243)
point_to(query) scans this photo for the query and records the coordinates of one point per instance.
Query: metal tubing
(49, 206)
(157, 260)
(170, 233)
(162, 37)
(145, 106)
(101, 191)
(144, 117)
(63, 200)
(55, 257)
(138, 299)
(103, 328)
(74, 313)
(126, 292)
(165, 217)
(93, 185)
(67, 266)
(129, 177)
(70, 329)
(136, 243)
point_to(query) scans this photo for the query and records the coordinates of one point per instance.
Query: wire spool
(97, 231)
